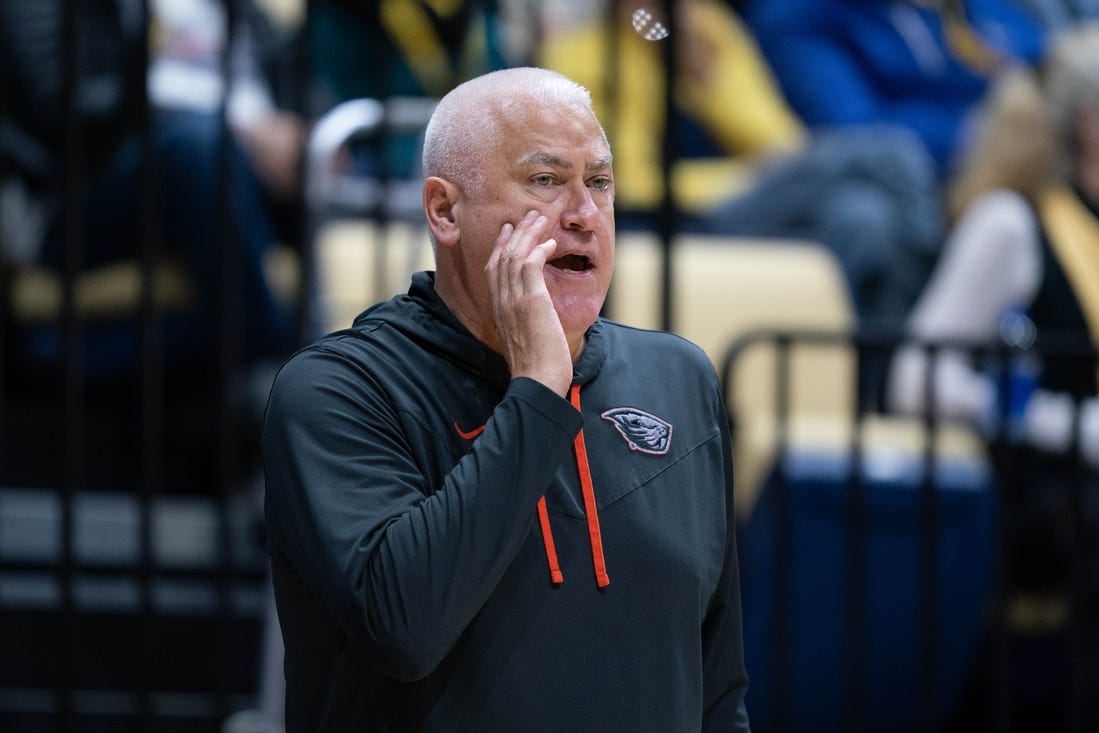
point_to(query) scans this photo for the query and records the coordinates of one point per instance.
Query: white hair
(465, 125)
(1071, 72)
(1027, 137)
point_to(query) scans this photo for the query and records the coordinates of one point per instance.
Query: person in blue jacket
(488, 507)
(922, 64)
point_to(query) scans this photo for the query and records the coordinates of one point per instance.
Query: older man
(489, 508)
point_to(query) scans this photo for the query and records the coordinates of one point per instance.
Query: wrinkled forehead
(558, 129)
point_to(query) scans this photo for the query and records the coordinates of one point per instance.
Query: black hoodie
(422, 581)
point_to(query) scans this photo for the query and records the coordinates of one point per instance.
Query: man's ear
(440, 203)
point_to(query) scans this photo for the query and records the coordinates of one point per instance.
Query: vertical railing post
(229, 333)
(783, 544)
(1076, 580)
(150, 383)
(306, 314)
(72, 391)
(929, 556)
(5, 289)
(668, 217)
(856, 565)
(1007, 486)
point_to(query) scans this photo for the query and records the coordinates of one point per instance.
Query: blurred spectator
(922, 64)
(1022, 260)
(1026, 206)
(746, 165)
(412, 48)
(188, 47)
(383, 48)
(1056, 14)
(187, 140)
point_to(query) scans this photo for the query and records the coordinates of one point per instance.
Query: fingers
(516, 242)
(528, 330)
(515, 265)
(498, 248)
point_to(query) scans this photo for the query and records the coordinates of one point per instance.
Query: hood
(422, 316)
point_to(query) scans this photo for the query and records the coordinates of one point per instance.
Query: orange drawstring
(588, 491)
(547, 539)
(589, 508)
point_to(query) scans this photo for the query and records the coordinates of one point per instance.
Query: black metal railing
(137, 598)
(994, 694)
(129, 600)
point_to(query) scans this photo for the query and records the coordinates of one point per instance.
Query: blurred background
(880, 218)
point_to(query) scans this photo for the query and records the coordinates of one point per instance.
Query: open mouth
(571, 263)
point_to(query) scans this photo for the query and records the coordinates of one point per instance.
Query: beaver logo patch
(643, 432)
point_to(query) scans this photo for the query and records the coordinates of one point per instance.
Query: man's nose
(580, 208)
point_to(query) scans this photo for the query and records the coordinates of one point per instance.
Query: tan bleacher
(359, 264)
(725, 288)
(36, 293)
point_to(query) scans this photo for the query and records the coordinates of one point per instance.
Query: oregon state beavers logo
(642, 431)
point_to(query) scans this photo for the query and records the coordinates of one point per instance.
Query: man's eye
(543, 180)
(602, 183)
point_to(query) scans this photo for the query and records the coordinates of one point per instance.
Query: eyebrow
(600, 163)
(544, 158)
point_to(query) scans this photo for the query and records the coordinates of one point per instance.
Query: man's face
(555, 160)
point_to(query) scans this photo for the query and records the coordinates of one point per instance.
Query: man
(445, 478)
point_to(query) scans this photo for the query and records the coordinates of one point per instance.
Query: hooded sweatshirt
(453, 549)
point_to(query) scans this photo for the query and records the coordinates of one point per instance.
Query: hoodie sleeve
(402, 566)
(725, 679)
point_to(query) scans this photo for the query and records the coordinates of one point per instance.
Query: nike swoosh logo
(471, 434)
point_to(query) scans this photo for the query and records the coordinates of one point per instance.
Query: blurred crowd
(944, 152)
(853, 123)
